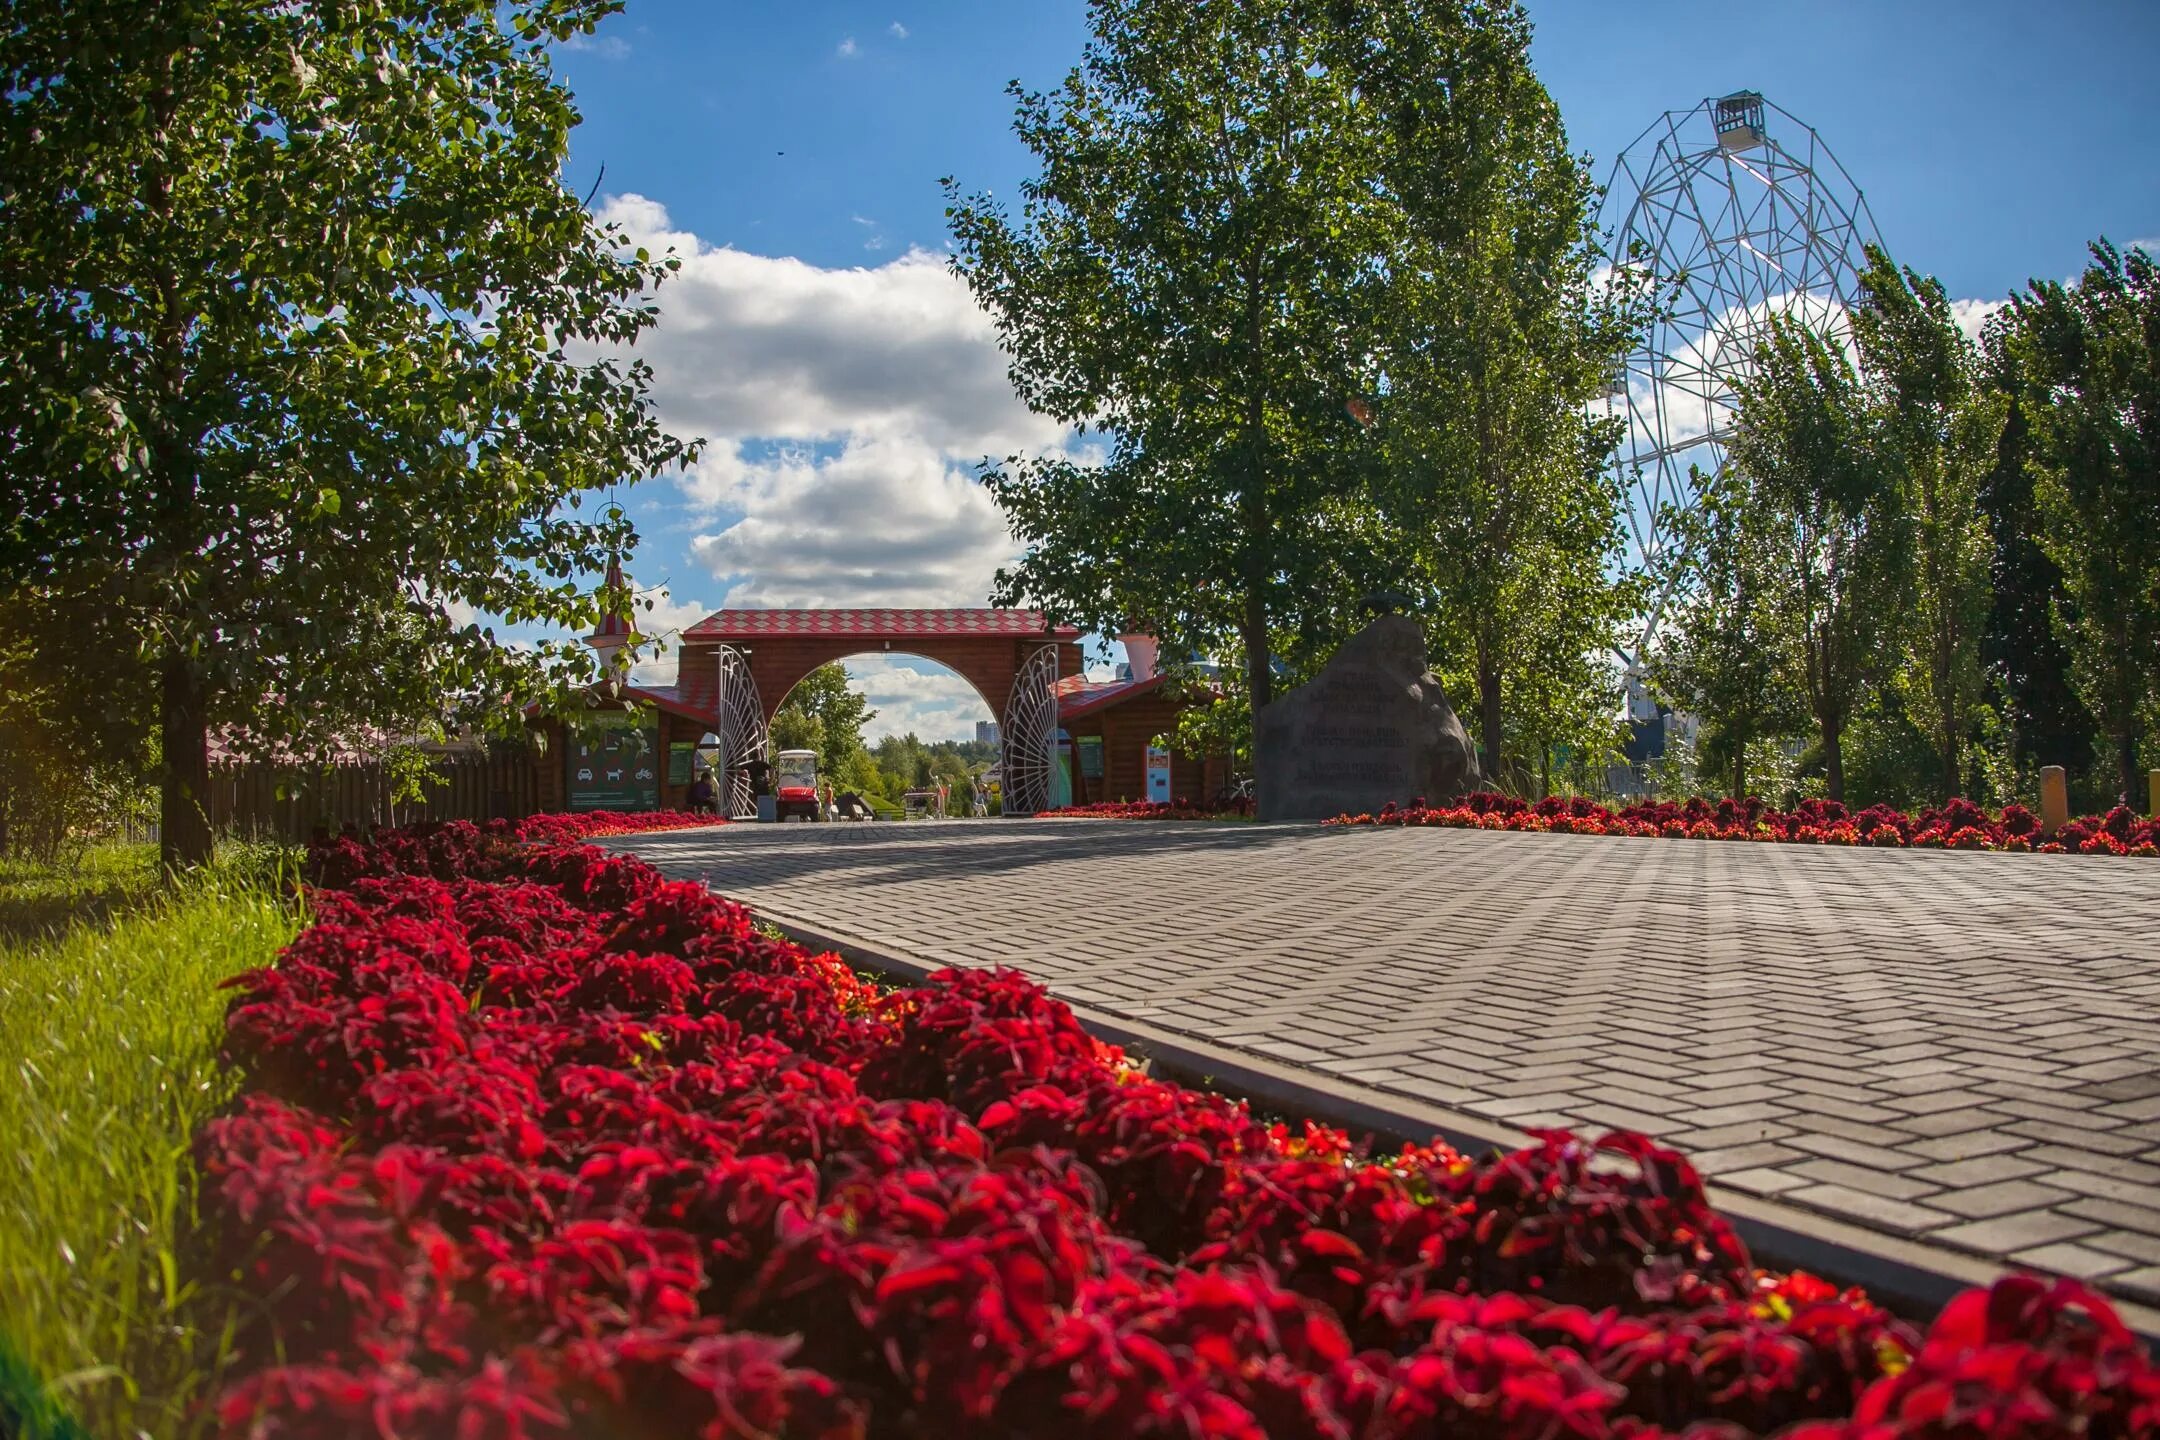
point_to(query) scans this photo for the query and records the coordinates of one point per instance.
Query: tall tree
(1494, 340)
(287, 296)
(1939, 424)
(2087, 359)
(1190, 276)
(1805, 440)
(2040, 720)
(1723, 655)
(823, 713)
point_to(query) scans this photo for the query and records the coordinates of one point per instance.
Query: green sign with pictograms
(681, 762)
(614, 764)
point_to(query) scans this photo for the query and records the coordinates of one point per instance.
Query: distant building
(986, 732)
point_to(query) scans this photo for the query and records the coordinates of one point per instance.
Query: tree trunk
(1488, 683)
(1952, 761)
(1739, 772)
(1833, 744)
(2126, 758)
(183, 817)
(1253, 500)
(1259, 675)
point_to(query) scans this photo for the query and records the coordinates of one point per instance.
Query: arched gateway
(737, 666)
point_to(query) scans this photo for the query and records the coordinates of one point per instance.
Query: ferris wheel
(1737, 212)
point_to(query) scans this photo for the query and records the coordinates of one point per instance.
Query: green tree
(860, 773)
(1723, 655)
(1215, 724)
(904, 761)
(73, 748)
(1494, 339)
(1191, 276)
(824, 714)
(2037, 717)
(1940, 425)
(1805, 443)
(2087, 360)
(288, 296)
(795, 728)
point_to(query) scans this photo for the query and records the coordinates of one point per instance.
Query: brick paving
(1956, 1049)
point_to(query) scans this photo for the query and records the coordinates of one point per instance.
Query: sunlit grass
(103, 880)
(109, 1031)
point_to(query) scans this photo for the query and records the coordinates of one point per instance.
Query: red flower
(535, 1142)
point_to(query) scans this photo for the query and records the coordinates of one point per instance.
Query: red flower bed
(1146, 810)
(534, 1142)
(459, 849)
(560, 829)
(1959, 825)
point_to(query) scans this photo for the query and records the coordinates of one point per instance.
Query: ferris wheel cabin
(1739, 121)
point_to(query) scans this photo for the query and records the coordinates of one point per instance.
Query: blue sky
(793, 152)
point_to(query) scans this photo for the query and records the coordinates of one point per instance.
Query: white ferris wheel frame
(1739, 212)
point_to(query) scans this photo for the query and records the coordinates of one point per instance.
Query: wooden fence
(286, 802)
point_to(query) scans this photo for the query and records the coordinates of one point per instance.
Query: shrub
(1959, 825)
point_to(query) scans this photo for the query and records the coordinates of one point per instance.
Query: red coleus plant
(537, 1143)
(1179, 809)
(1958, 825)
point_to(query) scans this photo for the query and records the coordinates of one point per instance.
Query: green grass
(109, 1031)
(105, 880)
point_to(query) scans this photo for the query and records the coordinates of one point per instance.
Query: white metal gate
(741, 728)
(1027, 737)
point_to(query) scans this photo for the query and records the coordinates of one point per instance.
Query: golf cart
(795, 786)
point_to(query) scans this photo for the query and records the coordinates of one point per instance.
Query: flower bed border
(1958, 825)
(1142, 810)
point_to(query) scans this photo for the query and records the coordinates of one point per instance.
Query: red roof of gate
(1078, 695)
(697, 697)
(877, 624)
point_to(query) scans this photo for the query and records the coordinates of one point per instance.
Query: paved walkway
(1957, 1049)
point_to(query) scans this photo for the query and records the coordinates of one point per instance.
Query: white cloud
(607, 47)
(918, 697)
(886, 520)
(756, 346)
(846, 410)
(874, 241)
(899, 31)
(1972, 315)
(847, 48)
(665, 622)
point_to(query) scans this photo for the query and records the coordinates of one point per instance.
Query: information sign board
(613, 765)
(1158, 775)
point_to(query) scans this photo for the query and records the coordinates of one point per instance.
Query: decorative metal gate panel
(1028, 736)
(741, 728)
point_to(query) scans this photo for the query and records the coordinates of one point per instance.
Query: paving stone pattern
(1958, 1048)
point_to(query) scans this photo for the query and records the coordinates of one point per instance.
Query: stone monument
(1373, 726)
